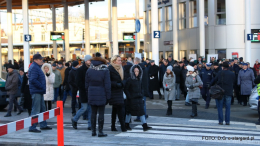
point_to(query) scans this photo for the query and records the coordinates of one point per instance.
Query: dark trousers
(73, 101)
(236, 90)
(244, 98)
(151, 93)
(118, 110)
(205, 95)
(61, 90)
(48, 105)
(13, 101)
(101, 112)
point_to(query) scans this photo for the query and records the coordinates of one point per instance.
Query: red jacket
(257, 66)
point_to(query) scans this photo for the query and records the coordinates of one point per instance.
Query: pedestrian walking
(177, 71)
(66, 85)
(154, 81)
(85, 109)
(11, 86)
(134, 103)
(169, 82)
(58, 81)
(62, 69)
(50, 80)
(257, 66)
(93, 86)
(225, 79)
(73, 86)
(37, 84)
(245, 81)
(25, 91)
(192, 83)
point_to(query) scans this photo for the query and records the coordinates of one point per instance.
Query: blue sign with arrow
(137, 26)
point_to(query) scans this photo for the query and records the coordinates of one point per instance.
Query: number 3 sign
(156, 34)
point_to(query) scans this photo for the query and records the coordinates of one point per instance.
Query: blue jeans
(205, 95)
(144, 100)
(38, 106)
(56, 93)
(178, 90)
(227, 100)
(128, 117)
(84, 107)
(65, 94)
(187, 98)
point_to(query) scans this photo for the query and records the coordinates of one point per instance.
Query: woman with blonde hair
(117, 99)
(50, 79)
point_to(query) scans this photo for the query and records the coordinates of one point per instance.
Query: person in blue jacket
(206, 75)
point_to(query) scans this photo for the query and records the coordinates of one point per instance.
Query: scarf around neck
(119, 69)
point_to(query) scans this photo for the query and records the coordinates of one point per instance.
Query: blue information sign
(249, 37)
(27, 37)
(137, 26)
(156, 34)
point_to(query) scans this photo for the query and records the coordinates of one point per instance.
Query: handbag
(216, 91)
(200, 86)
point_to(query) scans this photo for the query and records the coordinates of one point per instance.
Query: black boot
(100, 128)
(93, 127)
(146, 127)
(170, 107)
(127, 126)
(193, 110)
(113, 122)
(74, 124)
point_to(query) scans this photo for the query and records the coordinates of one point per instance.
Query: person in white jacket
(50, 79)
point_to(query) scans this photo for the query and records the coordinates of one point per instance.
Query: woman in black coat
(117, 99)
(26, 93)
(134, 102)
(98, 89)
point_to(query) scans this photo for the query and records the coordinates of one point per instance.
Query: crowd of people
(124, 83)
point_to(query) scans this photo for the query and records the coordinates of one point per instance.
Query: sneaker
(74, 124)
(46, 128)
(35, 131)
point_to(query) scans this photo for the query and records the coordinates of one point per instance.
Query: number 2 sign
(156, 34)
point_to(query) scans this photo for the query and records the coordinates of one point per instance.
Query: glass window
(160, 16)
(33, 37)
(169, 18)
(21, 37)
(206, 15)
(182, 15)
(43, 36)
(193, 14)
(221, 12)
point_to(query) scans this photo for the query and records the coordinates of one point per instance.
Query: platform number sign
(27, 37)
(156, 34)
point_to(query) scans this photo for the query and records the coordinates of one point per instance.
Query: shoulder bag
(216, 91)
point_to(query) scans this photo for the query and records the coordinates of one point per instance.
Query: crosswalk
(216, 134)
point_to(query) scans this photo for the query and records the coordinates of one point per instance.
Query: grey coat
(194, 80)
(58, 79)
(245, 80)
(170, 81)
(11, 84)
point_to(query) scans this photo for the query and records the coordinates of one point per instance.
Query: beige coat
(49, 96)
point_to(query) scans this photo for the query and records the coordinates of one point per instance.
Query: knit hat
(98, 54)
(87, 57)
(215, 64)
(169, 67)
(190, 68)
(11, 66)
(67, 64)
(75, 63)
(21, 69)
(225, 65)
(37, 56)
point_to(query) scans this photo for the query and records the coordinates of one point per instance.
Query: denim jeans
(227, 100)
(65, 94)
(84, 107)
(38, 106)
(178, 90)
(13, 101)
(187, 98)
(144, 100)
(56, 93)
(128, 117)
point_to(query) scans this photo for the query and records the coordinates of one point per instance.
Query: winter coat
(66, 79)
(49, 96)
(153, 83)
(133, 91)
(162, 71)
(245, 80)
(177, 72)
(37, 81)
(194, 80)
(72, 80)
(80, 82)
(256, 67)
(62, 73)
(58, 79)
(145, 80)
(127, 68)
(206, 77)
(11, 84)
(97, 82)
(116, 93)
(254, 71)
(183, 79)
(26, 93)
(170, 82)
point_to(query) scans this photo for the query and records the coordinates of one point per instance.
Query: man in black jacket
(73, 85)
(225, 79)
(177, 71)
(85, 109)
(66, 83)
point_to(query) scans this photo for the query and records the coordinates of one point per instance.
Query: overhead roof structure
(43, 4)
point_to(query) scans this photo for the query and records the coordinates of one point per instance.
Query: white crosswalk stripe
(199, 134)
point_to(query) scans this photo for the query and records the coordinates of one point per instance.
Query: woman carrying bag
(169, 80)
(192, 83)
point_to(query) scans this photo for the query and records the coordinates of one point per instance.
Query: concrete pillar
(144, 31)
(66, 30)
(0, 48)
(10, 30)
(109, 29)
(211, 26)
(115, 29)
(87, 33)
(26, 45)
(137, 36)
(155, 41)
(54, 29)
(202, 28)
(248, 31)
(175, 29)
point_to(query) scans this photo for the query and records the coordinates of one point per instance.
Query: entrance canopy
(42, 4)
